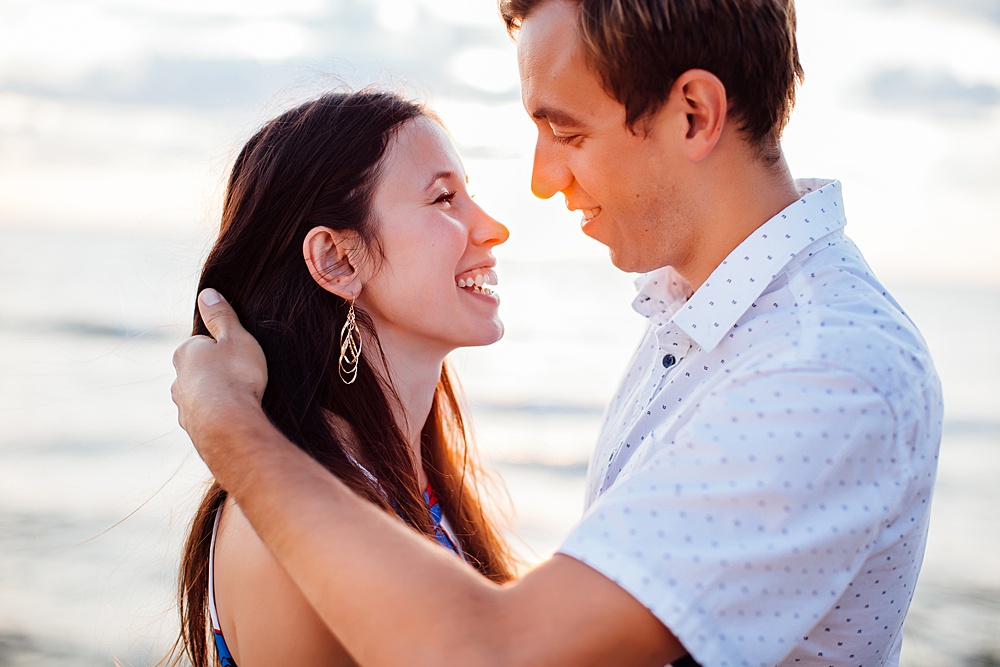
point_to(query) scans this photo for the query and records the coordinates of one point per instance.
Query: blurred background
(119, 120)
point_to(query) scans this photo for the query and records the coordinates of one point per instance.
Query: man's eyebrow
(556, 117)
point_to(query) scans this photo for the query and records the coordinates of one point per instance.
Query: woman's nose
(487, 230)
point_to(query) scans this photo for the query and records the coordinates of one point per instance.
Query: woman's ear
(332, 258)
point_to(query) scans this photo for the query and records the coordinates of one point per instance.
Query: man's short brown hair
(638, 48)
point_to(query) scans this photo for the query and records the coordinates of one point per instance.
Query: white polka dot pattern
(764, 474)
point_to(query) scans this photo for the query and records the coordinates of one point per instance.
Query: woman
(354, 254)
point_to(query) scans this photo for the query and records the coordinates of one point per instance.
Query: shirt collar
(708, 314)
(661, 293)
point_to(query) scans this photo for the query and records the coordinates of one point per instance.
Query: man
(760, 491)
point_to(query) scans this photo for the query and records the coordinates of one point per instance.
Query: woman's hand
(220, 380)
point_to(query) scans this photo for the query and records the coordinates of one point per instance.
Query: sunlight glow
(485, 68)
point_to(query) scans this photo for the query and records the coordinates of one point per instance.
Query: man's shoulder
(830, 311)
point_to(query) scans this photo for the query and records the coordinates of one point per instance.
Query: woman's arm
(390, 596)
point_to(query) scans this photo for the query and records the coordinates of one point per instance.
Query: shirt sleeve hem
(701, 637)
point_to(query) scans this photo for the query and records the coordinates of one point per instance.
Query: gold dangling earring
(350, 348)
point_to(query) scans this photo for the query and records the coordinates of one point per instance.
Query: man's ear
(332, 258)
(705, 105)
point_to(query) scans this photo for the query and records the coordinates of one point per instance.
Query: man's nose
(549, 173)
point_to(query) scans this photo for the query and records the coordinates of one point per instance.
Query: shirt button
(669, 361)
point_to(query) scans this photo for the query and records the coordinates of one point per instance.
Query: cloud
(976, 10)
(205, 63)
(173, 82)
(938, 92)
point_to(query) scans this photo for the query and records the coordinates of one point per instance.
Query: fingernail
(210, 297)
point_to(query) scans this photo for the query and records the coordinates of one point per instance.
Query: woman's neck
(414, 373)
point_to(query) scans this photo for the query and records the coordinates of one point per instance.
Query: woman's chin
(495, 338)
(489, 335)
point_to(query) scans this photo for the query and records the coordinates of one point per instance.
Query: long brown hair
(318, 165)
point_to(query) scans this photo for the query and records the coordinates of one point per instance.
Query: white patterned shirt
(763, 478)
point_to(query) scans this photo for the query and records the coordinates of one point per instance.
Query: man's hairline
(642, 123)
(546, 113)
(515, 26)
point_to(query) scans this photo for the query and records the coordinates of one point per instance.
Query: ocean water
(97, 481)
(118, 119)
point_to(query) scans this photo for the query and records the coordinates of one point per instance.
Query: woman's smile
(477, 281)
(431, 245)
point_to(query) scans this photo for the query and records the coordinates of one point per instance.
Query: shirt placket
(673, 346)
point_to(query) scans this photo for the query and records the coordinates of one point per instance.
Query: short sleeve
(743, 529)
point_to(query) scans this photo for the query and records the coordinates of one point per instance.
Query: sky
(119, 120)
(126, 114)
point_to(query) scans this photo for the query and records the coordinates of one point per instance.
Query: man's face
(625, 184)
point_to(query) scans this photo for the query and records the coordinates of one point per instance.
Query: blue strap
(436, 517)
(225, 657)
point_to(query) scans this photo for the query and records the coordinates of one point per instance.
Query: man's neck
(742, 199)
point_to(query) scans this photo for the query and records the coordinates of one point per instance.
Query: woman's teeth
(477, 282)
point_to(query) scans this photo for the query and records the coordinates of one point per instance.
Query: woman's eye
(445, 197)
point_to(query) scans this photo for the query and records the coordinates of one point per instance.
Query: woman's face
(430, 293)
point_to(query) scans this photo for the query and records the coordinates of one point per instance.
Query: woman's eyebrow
(444, 175)
(438, 176)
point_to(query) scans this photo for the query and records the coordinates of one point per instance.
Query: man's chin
(630, 263)
(629, 260)
(618, 258)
